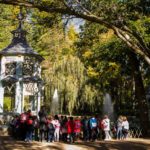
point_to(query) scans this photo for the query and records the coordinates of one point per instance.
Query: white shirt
(125, 125)
(106, 123)
(56, 124)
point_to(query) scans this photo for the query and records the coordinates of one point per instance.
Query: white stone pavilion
(20, 74)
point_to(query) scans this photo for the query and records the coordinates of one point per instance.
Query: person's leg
(52, 136)
(121, 135)
(27, 136)
(57, 135)
(118, 132)
(126, 134)
(106, 135)
(30, 135)
(109, 137)
(41, 135)
(84, 135)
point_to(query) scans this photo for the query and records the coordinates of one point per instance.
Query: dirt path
(7, 143)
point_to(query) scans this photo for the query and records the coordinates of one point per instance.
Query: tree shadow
(114, 145)
(8, 143)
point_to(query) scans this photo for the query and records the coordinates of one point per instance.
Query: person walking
(85, 128)
(70, 130)
(50, 130)
(119, 128)
(77, 128)
(57, 126)
(42, 122)
(93, 128)
(125, 127)
(106, 127)
(30, 129)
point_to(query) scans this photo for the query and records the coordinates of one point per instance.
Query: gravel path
(7, 143)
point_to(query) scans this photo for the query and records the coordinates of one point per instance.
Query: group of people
(69, 129)
(122, 127)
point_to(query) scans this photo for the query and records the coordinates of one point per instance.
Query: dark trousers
(50, 135)
(86, 136)
(93, 135)
(29, 135)
(71, 137)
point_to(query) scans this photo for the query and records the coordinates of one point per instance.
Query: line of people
(69, 129)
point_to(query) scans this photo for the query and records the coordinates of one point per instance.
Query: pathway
(7, 143)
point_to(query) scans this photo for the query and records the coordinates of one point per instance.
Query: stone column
(19, 89)
(38, 101)
(1, 97)
(18, 98)
(2, 71)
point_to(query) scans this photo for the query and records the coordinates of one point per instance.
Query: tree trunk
(140, 96)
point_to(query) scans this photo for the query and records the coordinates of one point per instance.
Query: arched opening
(9, 98)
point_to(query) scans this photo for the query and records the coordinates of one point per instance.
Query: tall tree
(117, 15)
(108, 63)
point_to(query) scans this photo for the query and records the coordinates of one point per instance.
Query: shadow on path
(8, 143)
(116, 145)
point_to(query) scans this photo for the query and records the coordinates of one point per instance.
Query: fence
(135, 133)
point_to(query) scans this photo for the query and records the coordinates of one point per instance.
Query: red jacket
(77, 128)
(70, 126)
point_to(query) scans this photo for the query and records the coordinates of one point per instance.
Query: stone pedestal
(18, 98)
(1, 97)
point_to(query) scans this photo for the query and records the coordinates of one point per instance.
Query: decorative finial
(20, 17)
(19, 33)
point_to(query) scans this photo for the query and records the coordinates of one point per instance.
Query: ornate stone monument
(20, 74)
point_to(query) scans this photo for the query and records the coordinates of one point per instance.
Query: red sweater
(70, 126)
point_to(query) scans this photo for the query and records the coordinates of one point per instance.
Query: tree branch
(137, 44)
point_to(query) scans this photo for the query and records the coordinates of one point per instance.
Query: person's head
(56, 117)
(77, 118)
(43, 108)
(29, 111)
(105, 116)
(62, 117)
(120, 117)
(71, 118)
(124, 118)
(50, 118)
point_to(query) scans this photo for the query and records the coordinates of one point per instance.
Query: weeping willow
(63, 70)
(69, 77)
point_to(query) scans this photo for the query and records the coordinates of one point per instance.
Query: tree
(115, 69)
(119, 15)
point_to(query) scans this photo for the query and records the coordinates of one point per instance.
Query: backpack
(23, 117)
(86, 124)
(50, 126)
(93, 123)
(43, 119)
(102, 126)
(29, 122)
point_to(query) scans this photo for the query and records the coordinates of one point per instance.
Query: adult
(106, 127)
(70, 129)
(85, 128)
(42, 122)
(125, 127)
(50, 129)
(119, 127)
(93, 128)
(77, 128)
(30, 129)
